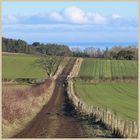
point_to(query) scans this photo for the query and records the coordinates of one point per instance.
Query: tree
(99, 53)
(16, 46)
(106, 53)
(57, 50)
(36, 44)
(49, 64)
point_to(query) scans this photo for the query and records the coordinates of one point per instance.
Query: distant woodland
(37, 48)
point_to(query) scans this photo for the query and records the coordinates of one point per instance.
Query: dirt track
(54, 121)
(58, 119)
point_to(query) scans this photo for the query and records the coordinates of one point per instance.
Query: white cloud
(96, 18)
(56, 16)
(10, 19)
(116, 16)
(71, 15)
(74, 15)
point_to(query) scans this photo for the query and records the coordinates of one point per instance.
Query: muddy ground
(58, 118)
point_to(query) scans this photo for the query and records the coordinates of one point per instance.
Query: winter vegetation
(26, 88)
(119, 125)
(116, 52)
(20, 103)
(110, 99)
(28, 68)
(103, 83)
(70, 68)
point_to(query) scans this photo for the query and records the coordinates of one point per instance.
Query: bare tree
(49, 64)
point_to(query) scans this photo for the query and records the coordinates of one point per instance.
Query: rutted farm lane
(52, 121)
(58, 118)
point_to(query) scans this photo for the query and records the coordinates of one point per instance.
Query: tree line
(116, 52)
(21, 46)
(15, 46)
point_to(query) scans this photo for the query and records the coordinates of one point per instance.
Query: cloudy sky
(71, 21)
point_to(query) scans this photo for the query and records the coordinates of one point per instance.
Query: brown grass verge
(76, 68)
(19, 105)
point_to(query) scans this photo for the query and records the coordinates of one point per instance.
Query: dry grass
(19, 105)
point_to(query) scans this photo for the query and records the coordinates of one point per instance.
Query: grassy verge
(22, 101)
(20, 104)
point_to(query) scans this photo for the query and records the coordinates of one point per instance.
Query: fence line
(121, 127)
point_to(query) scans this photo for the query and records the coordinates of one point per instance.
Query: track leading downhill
(53, 121)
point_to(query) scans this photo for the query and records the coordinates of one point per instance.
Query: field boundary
(76, 67)
(19, 124)
(92, 81)
(91, 78)
(119, 126)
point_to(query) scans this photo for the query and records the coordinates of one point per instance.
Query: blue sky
(71, 21)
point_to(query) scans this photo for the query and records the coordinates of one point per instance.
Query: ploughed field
(109, 69)
(110, 84)
(20, 66)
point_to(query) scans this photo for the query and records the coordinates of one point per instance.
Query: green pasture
(20, 66)
(121, 98)
(102, 69)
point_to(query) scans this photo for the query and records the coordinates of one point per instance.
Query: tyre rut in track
(52, 121)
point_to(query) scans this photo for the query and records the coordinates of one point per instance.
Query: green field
(119, 97)
(101, 69)
(20, 66)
